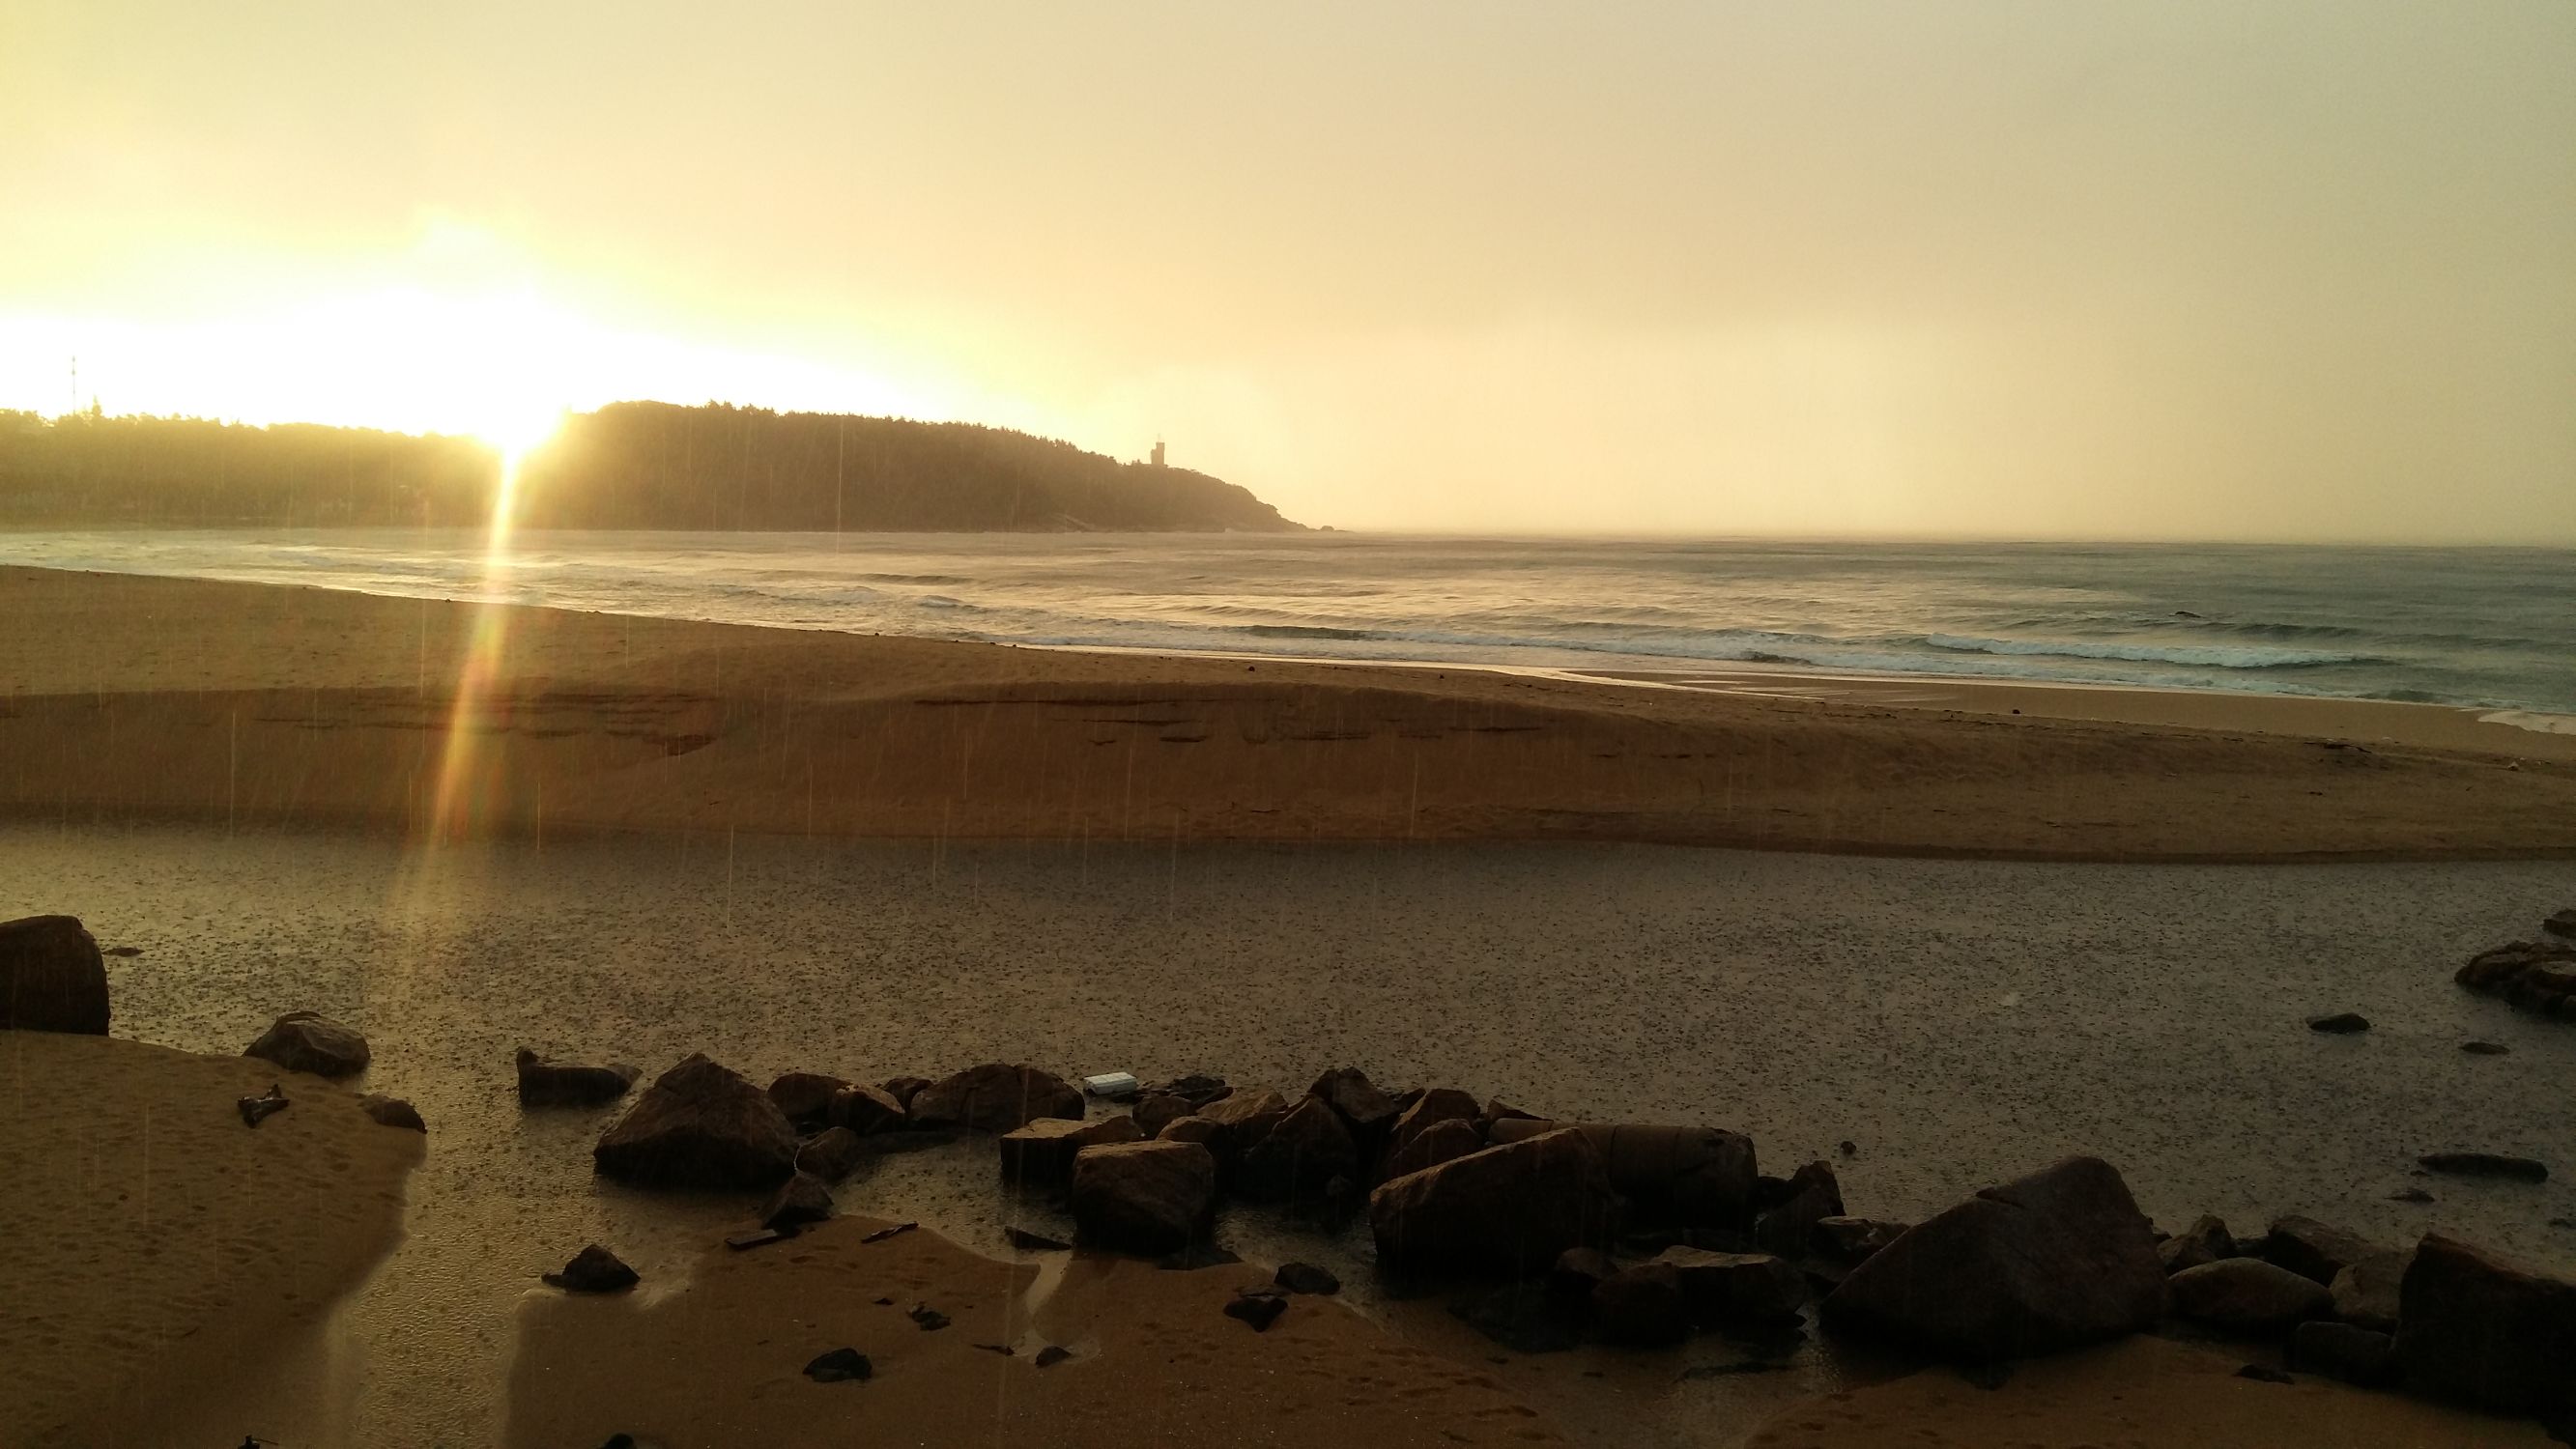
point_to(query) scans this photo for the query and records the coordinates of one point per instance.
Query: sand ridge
(155, 1244)
(169, 698)
(720, 1361)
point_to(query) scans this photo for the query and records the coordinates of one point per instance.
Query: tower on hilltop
(1158, 452)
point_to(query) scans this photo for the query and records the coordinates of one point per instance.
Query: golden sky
(2050, 268)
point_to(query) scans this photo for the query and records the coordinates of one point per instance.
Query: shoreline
(146, 698)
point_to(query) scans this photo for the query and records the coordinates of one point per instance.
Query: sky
(2064, 268)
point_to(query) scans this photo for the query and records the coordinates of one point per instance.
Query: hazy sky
(2158, 269)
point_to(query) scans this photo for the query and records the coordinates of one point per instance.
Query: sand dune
(172, 698)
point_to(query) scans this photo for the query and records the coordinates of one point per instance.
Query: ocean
(2488, 628)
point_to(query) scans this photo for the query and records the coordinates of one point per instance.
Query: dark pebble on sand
(1306, 1278)
(2485, 1164)
(2485, 1048)
(2412, 1194)
(1258, 1309)
(930, 1319)
(1052, 1354)
(2342, 1023)
(841, 1365)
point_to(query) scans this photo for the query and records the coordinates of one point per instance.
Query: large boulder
(1438, 1105)
(2052, 1261)
(1444, 1141)
(1157, 1110)
(1040, 1155)
(1348, 1091)
(1694, 1177)
(1740, 1287)
(544, 1083)
(1641, 1306)
(866, 1110)
(1300, 1158)
(1146, 1197)
(995, 1097)
(52, 977)
(702, 1126)
(306, 1041)
(2314, 1250)
(806, 1097)
(2356, 1355)
(2370, 1293)
(2248, 1297)
(1242, 1119)
(1814, 1194)
(2472, 1326)
(1513, 1208)
(2205, 1241)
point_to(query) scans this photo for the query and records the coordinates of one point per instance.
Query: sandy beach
(147, 698)
(2094, 925)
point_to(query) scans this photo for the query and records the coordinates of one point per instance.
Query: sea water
(2491, 628)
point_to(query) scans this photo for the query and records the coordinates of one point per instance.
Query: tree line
(628, 465)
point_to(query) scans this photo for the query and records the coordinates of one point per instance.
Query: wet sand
(142, 698)
(157, 1250)
(1960, 1021)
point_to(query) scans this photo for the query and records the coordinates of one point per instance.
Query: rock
(1522, 1317)
(1577, 1271)
(904, 1089)
(2562, 923)
(2342, 1023)
(1691, 1177)
(2052, 1261)
(2473, 1326)
(1198, 1089)
(2486, 1048)
(1149, 1197)
(1641, 1306)
(594, 1270)
(1157, 1110)
(1367, 1111)
(744, 1242)
(2263, 1373)
(699, 1126)
(2496, 971)
(1051, 1355)
(2484, 1164)
(391, 1112)
(866, 1110)
(1512, 1207)
(556, 1084)
(2410, 1194)
(1040, 1155)
(306, 1041)
(926, 1318)
(1242, 1119)
(2315, 1251)
(1297, 1160)
(2248, 1297)
(1814, 1195)
(806, 1097)
(1438, 1105)
(890, 1230)
(52, 977)
(995, 1098)
(2367, 1294)
(2362, 1356)
(1737, 1287)
(1444, 1141)
(1498, 1110)
(1199, 1254)
(1849, 1240)
(1191, 1129)
(1028, 1241)
(831, 1154)
(840, 1366)
(255, 1110)
(1258, 1308)
(2205, 1241)
(801, 1199)
(1306, 1278)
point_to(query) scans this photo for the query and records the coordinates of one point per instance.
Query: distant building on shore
(1158, 453)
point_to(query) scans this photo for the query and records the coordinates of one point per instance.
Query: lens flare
(471, 786)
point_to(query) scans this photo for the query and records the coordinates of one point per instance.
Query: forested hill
(628, 465)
